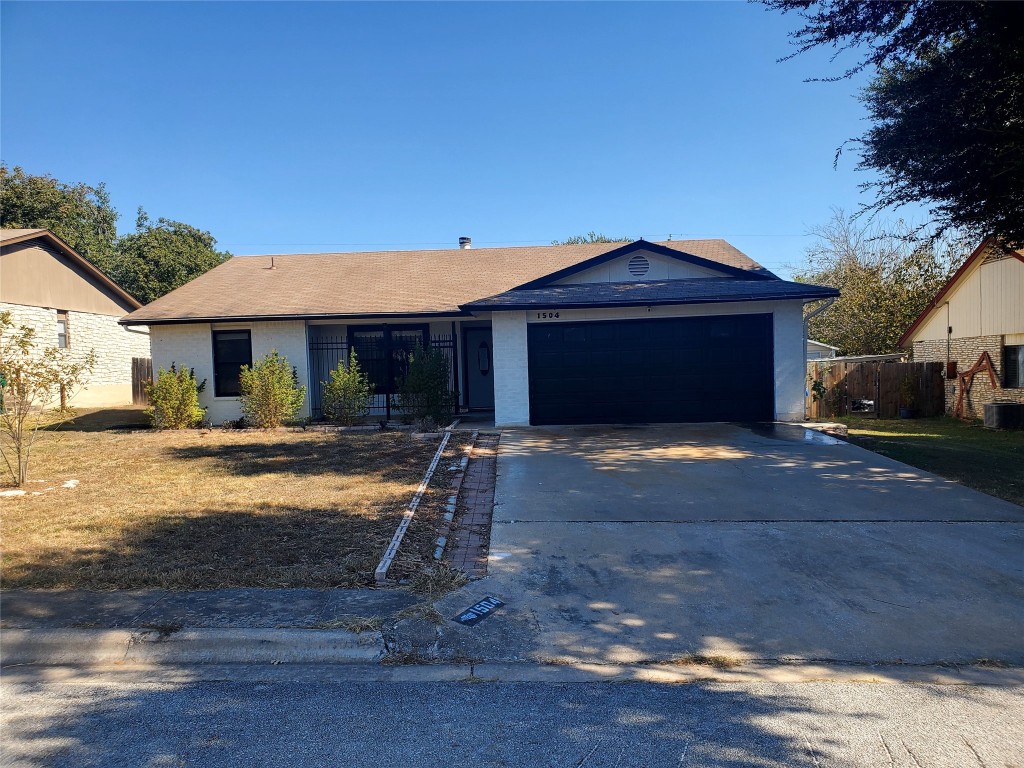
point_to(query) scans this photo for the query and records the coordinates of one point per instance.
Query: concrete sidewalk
(216, 626)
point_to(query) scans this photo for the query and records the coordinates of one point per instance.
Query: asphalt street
(111, 721)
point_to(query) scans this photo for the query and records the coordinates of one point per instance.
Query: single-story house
(819, 350)
(689, 330)
(978, 313)
(71, 305)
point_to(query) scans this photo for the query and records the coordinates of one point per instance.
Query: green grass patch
(991, 461)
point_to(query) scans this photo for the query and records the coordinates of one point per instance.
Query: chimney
(465, 243)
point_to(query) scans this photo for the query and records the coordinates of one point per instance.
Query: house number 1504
(546, 315)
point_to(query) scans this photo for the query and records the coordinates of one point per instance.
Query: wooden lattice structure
(966, 379)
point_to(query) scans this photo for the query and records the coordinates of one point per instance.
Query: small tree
(426, 395)
(31, 378)
(175, 399)
(347, 395)
(271, 394)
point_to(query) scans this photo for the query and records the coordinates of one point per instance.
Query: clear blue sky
(331, 126)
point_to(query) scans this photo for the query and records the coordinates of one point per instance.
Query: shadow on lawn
(271, 546)
(395, 454)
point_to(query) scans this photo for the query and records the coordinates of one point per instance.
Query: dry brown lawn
(212, 509)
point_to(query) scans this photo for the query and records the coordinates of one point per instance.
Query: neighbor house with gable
(975, 326)
(677, 331)
(70, 304)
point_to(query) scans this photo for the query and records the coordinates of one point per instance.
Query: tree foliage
(79, 214)
(592, 237)
(885, 280)
(946, 103)
(33, 378)
(154, 260)
(159, 257)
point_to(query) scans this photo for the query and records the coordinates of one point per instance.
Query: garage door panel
(680, 369)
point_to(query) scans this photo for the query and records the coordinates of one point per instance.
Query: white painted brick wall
(511, 369)
(114, 345)
(191, 346)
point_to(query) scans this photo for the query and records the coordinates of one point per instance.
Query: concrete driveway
(625, 545)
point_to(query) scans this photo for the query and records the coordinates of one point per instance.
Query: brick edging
(470, 537)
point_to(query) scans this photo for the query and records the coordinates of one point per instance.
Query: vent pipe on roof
(465, 243)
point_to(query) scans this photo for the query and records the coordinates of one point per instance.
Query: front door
(479, 368)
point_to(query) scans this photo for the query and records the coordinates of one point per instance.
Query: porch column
(511, 371)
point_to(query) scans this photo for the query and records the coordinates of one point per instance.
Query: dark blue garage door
(665, 370)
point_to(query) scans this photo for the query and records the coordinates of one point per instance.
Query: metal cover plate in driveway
(479, 611)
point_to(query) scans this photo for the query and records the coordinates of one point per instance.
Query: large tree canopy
(157, 258)
(946, 103)
(154, 260)
(79, 214)
(885, 279)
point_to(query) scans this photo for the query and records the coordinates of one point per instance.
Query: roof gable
(980, 254)
(14, 239)
(627, 251)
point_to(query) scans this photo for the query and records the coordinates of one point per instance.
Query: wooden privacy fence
(873, 388)
(142, 375)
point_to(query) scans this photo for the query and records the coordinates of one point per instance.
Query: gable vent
(638, 266)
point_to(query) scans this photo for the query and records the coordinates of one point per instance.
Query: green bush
(174, 399)
(271, 394)
(426, 395)
(347, 395)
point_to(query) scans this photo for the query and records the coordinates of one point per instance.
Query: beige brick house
(44, 284)
(980, 309)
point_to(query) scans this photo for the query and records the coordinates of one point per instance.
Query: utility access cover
(478, 612)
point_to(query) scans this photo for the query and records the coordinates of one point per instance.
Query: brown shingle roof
(17, 234)
(382, 282)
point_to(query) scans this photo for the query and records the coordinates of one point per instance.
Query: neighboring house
(45, 285)
(817, 350)
(980, 309)
(643, 332)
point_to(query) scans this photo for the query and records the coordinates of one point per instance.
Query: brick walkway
(471, 533)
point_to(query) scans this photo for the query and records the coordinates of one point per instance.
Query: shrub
(271, 394)
(174, 399)
(347, 395)
(425, 394)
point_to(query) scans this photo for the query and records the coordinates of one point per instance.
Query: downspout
(807, 318)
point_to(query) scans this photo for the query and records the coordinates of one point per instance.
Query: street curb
(189, 646)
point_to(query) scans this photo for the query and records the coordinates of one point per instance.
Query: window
(63, 340)
(231, 350)
(384, 354)
(1013, 367)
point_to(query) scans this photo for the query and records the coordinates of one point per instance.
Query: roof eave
(485, 307)
(129, 320)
